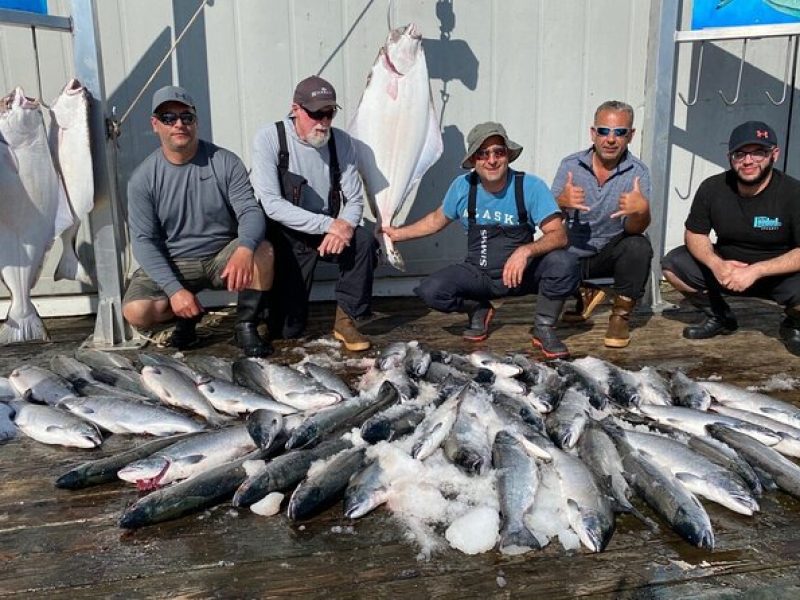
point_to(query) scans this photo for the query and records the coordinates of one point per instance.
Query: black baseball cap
(752, 132)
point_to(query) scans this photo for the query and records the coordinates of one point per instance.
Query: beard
(317, 138)
(760, 178)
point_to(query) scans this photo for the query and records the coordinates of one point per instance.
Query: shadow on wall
(710, 121)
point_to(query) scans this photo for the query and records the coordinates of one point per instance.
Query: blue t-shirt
(500, 208)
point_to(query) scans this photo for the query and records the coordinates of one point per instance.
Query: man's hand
(572, 196)
(331, 244)
(238, 273)
(185, 304)
(735, 276)
(632, 203)
(515, 266)
(342, 229)
(393, 233)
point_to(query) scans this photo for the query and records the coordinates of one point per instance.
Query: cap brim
(316, 105)
(514, 150)
(761, 143)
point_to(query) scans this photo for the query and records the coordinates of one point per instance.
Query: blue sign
(738, 13)
(37, 6)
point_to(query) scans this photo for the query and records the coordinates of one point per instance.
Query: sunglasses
(606, 131)
(319, 115)
(170, 118)
(755, 155)
(497, 151)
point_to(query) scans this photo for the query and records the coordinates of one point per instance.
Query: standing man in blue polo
(499, 208)
(754, 209)
(195, 224)
(604, 193)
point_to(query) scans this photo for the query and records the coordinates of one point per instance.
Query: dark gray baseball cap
(172, 93)
(314, 93)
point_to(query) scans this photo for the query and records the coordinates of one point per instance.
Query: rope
(116, 126)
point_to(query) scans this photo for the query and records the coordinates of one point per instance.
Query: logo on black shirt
(766, 223)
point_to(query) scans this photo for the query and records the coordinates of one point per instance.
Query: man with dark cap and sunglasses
(754, 210)
(604, 193)
(195, 224)
(499, 208)
(304, 174)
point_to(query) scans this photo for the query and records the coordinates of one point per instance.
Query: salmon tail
(391, 255)
(69, 265)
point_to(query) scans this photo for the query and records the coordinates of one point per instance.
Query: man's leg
(785, 290)
(631, 256)
(554, 277)
(461, 288)
(354, 289)
(699, 286)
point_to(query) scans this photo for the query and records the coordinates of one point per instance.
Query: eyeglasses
(755, 155)
(170, 118)
(319, 115)
(606, 131)
(497, 151)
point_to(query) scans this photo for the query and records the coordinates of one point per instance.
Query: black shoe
(790, 334)
(246, 336)
(545, 338)
(184, 335)
(479, 320)
(711, 327)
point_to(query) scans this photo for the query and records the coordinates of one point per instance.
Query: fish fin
(28, 328)
(193, 459)
(64, 216)
(69, 265)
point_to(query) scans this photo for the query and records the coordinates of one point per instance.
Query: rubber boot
(544, 328)
(719, 318)
(790, 329)
(249, 307)
(480, 316)
(344, 330)
(618, 334)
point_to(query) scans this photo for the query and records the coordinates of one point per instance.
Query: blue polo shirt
(589, 231)
(500, 208)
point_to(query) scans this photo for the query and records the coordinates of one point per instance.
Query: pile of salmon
(477, 451)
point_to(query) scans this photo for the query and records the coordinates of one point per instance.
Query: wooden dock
(61, 544)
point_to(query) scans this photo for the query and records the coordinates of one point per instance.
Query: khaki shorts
(194, 274)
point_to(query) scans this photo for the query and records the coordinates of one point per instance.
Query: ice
(254, 467)
(475, 531)
(269, 505)
(780, 382)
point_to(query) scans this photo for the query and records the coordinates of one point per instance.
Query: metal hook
(739, 80)
(691, 176)
(693, 101)
(785, 76)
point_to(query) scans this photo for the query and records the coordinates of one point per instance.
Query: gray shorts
(195, 274)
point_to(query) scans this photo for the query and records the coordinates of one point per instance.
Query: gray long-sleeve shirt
(190, 211)
(313, 164)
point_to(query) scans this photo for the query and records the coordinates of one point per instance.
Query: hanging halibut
(35, 212)
(398, 130)
(69, 144)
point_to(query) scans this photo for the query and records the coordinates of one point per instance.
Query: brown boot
(345, 331)
(618, 334)
(588, 298)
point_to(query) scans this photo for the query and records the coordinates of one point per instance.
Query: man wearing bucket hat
(195, 224)
(754, 210)
(604, 193)
(499, 208)
(304, 174)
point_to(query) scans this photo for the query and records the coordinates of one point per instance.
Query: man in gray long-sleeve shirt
(314, 200)
(195, 224)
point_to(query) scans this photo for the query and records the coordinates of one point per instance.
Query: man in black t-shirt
(754, 211)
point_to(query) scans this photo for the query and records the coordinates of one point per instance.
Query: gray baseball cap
(481, 133)
(172, 93)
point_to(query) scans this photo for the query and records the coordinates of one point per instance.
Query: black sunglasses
(318, 115)
(606, 131)
(170, 118)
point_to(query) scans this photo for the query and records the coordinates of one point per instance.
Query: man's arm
(634, 207)
(147, 238)
(700, 246)
(431, 223)
(746, 275)
(554, 236)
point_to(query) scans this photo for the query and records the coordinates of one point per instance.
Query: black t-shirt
(748, 229)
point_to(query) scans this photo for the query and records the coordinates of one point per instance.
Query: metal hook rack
(693, 101)
(789, 41)
(739, 78)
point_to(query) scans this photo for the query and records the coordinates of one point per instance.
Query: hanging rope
(115, 126)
